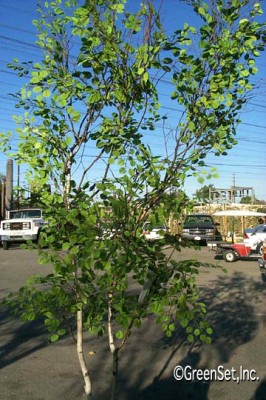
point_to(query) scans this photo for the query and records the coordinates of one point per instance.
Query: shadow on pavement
(260, 393)
(148, 359)
(19, 338)
(231, 302)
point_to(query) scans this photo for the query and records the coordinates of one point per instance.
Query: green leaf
(119, 334)
(167, 60)
(74, 250)
(119, 8)
(171, 327)
(256, 53)
(243, 21)
(66, 246)
(190, 338)
(54, 337)
(229, 99)
(201, 11)
(244, 73)
(203, 338)
(61, 332)
(46, 93)
(145, 77)
(49, 314)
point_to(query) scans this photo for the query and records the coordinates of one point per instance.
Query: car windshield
(25, 214)
(260, 228)
(195, 220)
(150, 227)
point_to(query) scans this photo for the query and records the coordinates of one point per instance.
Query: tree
(96, 86)
(202, 195)
(251, 200)
(247, 200)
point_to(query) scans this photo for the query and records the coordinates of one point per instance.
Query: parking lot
(236, 301)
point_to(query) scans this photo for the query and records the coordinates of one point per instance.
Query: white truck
(22, 225)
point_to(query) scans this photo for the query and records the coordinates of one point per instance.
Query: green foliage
(202, 195)
(248, 200)
(94, 87)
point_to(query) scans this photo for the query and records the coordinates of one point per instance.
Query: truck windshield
(25, 214)
(197, 220)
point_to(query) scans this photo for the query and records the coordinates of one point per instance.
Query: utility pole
(9, 185)
(3, 197)
(18, 184)
(233, 196)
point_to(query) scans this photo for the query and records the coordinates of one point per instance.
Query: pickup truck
(200, 228)
(22, 225)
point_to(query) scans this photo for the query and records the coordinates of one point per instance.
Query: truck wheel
(5, 245)
(229, 256)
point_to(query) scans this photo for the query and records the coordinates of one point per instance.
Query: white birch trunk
(113, 348)
(82, 362)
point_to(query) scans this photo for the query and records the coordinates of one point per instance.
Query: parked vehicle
(259, 231)
(255, 236)
(154, 232)
(22, 225)
(234, 251)
(255, 243)
(249, 231)
(262, 262)
(262, 267)
(200, 228)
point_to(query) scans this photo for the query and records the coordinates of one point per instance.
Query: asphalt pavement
(233, 367)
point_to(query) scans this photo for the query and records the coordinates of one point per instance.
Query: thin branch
(89, 167)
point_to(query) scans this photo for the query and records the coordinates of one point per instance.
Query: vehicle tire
(5, 245)
(229, 256)
(259, 248)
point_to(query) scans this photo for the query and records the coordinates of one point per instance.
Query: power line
(237, 165)
(7, 72)
(10, 84)
(257, 105)
(19, 42)
(20, 50)
(18, 29)
(251, 141)
(254, 125)
(17, 9)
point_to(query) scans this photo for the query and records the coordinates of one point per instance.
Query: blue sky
(245, 162)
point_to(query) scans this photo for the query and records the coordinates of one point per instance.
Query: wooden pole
(9, 186)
